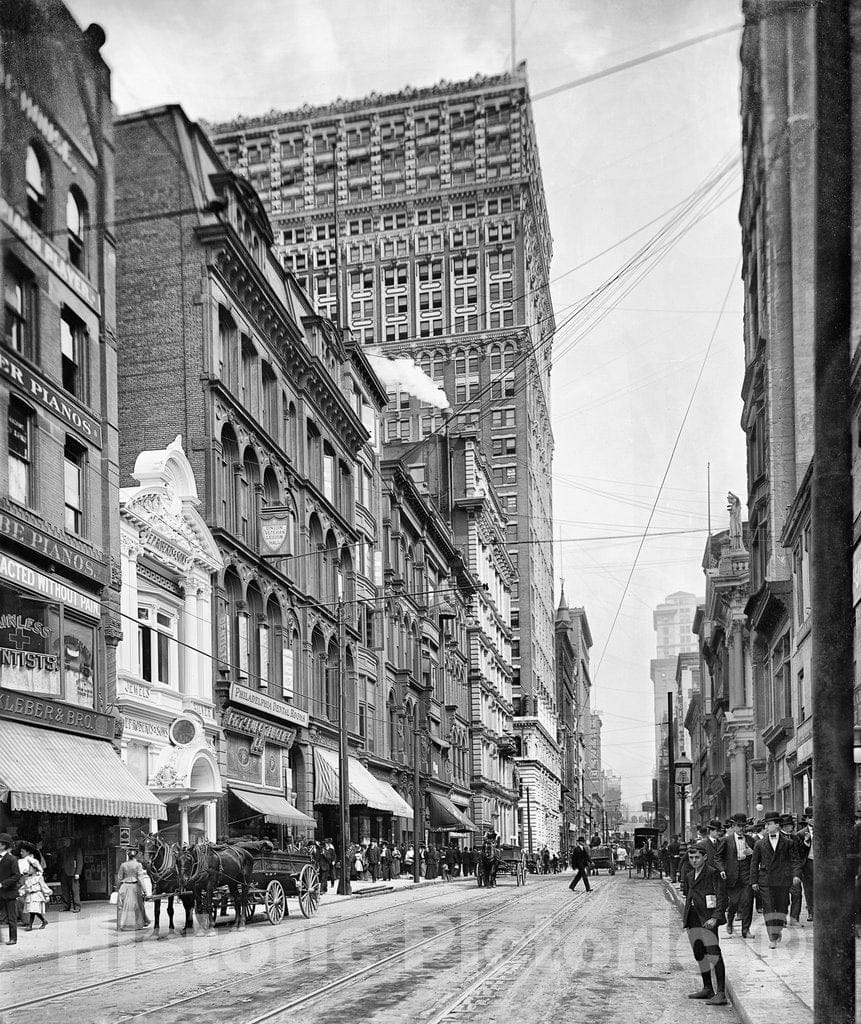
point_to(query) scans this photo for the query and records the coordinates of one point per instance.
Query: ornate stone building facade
(444, 250)
(726, 680)
(164, 670)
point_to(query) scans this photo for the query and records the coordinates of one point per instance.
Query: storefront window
(29, 644)
(78, 646)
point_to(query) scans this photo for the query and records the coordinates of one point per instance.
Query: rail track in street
(205, 993)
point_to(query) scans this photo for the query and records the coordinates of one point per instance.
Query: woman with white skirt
(131, 912)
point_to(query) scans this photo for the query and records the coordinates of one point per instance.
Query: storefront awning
(58, 772)
(275, 809)
(365, 789)
(445, 816)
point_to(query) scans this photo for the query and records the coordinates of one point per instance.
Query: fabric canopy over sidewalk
(365, 789)
(275, 809)
(61, 773)
(446, 816)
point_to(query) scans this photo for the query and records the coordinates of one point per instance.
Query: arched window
(392, 723)
(331, 691)
(247, 498)
(495, 358)
(439, 361)
(257, 638)
(37, 187)
(227, 492)
(318, 673)
(236, 624)
(76, 226)
(508, 355)
(271, 490)
(332, 581)
(316, 581)
(275, 643)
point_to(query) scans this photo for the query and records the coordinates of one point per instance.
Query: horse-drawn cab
(500, 859)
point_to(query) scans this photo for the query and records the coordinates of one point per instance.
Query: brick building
(445, 253)
(59, 513)
(221, 346)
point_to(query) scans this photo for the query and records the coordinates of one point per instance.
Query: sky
(616, 154)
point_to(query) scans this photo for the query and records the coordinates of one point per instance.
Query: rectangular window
(73, 481)
(20, 440)
(73, 343)
(19, 305)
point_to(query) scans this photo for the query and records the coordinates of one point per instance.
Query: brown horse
(211, 866)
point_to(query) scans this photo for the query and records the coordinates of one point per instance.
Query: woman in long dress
(34, 888)
(131, 913)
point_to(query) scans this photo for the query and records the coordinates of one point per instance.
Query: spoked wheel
(308, 885)
(250, 908)
(274, 901)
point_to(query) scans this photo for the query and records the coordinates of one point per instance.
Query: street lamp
(682, 778)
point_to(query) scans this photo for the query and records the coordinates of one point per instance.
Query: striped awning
(61, 773)
(365, 789)
(274, 808)
(445, 816)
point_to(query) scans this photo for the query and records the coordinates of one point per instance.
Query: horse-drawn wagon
(244, 875)
(277, 875)
(494, 859)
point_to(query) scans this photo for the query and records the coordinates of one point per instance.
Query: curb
(749, 1014)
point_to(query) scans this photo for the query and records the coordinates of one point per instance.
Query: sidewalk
(768, 984)
(95, 927)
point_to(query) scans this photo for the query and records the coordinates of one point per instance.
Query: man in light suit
(774, 869)
(733, 859)
(705, 911)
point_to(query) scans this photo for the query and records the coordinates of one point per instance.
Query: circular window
(182, 732)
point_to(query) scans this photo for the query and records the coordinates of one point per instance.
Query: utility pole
(528, 821)
(832, 667)
(655, 791)
(671, 752)
(344, 888)
(418, 812)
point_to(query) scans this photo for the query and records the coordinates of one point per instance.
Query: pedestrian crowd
(732, 869)
(24, 891)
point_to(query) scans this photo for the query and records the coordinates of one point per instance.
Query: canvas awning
(275, 809)
(61, 773)
(365, 789)
(445, 816)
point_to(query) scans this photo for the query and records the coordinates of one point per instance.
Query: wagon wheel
(308, 885)
(250, 907)
(275, 901)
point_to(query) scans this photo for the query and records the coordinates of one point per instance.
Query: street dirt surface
(537, 954)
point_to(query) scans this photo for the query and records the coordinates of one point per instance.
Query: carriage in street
(276, 876)
(494, 860)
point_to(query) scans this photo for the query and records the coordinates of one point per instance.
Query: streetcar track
(148, 971)
(504, 961)
(363, 972)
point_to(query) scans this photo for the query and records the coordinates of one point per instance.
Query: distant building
(673, 623)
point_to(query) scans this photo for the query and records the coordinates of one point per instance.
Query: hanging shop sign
(274, 530)
(235, 721)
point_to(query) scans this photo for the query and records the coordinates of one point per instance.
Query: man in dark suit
(580, 861)
(712, 839)
(10, 879)
(774, 869)
(705, 911)
(804, 844)
(733, 858)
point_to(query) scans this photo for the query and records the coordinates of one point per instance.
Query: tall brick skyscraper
(445, 255)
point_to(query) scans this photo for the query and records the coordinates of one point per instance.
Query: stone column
(183, 824)
(738, 777)
(209, 820)
(736, 674)
(187, 654)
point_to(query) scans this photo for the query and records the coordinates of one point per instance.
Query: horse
(160, 860)
(488, 863)
(209, 866)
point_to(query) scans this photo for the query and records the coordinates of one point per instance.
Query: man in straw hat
(774, 869)
(705, 910)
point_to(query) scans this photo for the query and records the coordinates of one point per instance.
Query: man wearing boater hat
(774, 869)
(705, 908)
(732, 860)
